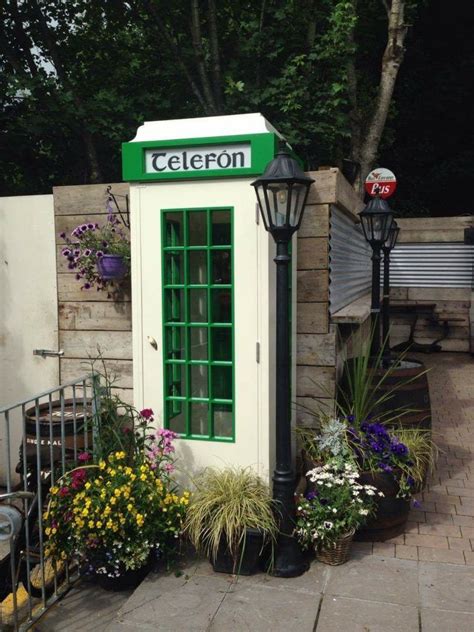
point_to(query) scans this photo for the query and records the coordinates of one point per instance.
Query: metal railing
(50, 430)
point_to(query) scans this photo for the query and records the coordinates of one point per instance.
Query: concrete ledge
(355, 313)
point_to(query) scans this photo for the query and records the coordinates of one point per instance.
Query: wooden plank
(435, 223)
(86, 198)
(312, 285)
(312, 318)
(312, 253)
(399, 293)
(355, 313)
(70, 290)
(315, 222)
(434, 294)
(323, 190)
(309, 409)
(120, 371)
(116, 345)
(424, 236)
(109, 316)
(67, 223)
(346, 197)
(316, 349)
(312, 381)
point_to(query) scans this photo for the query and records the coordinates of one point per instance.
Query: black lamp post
(376, 219)
(387, 248)
(282, 192)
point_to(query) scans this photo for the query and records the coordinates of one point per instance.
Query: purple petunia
(99, 254)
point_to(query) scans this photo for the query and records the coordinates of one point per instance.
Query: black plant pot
(128, 580)
(248, 556)
(392, 512)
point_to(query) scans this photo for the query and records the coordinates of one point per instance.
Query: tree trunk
(365, 142)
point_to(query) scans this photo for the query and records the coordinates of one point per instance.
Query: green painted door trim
(263, 149)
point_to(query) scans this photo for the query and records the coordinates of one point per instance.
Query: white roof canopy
(205, 127)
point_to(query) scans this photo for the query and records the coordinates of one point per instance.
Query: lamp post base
(289, 560)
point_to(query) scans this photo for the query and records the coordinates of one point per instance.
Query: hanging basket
(111, 267)
(338, 552)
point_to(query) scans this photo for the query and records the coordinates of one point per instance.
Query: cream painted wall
(254, 284)
(28, 306)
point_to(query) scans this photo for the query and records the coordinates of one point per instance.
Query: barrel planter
(49, 423)
(248, 558)
(392, 512)
(414, 395)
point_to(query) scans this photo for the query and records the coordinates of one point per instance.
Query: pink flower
(64, 491)
(84, 456)
(147, 413)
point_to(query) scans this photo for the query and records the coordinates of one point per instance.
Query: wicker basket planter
(338, 552)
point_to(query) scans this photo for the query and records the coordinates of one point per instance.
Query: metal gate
(56, 426)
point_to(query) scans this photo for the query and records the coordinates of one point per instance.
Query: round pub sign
(381, 182)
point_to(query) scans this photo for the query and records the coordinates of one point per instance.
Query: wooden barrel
(392, 512)
(412, 393)
(49, 423)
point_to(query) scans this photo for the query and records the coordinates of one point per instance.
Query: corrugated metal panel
(432, 265)
(349, 262)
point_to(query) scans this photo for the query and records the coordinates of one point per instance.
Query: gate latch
(48, 353)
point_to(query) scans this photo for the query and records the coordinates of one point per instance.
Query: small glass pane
(199, 418)
(222, 420)
(198, 343)
(175, 414)
(198, 306)
(199, 380)
(176, 380)
(221, 267)
(221, 233)
(174, 269)
(174, 343)
(221, 343)
(174, 229)
(221, 306)
(222, 382)
(174, 306)
(197, 228)
(197, 267)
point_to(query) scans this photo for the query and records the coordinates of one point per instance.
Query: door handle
(48, 353)
(152, 342)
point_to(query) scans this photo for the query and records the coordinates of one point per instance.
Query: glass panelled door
(198, 335)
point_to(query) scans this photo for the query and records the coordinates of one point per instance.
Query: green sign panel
(187, 159)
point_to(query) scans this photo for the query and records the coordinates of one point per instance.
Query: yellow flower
(63, 555)
(128, 471)
(98, 524)
(117, 492)
(133, 476)
(45, 515)
(54, 531)
(47, 531)
(102, 465)
(129, 506)
(109, 524)
(143, 477)
(87, 485)
(113, 500)
(54, 490)
(112, 472)
(91, 524)
(107, 510)
(97, 482)
(140, 519)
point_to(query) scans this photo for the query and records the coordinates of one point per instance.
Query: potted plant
(120, 510)
(328, 516)
(99, 254)
(231, 519)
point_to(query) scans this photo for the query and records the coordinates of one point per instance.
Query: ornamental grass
(225, 503)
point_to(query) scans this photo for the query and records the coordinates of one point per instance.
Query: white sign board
(186, 159)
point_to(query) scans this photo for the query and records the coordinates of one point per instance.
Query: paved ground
(422, 581)
(442, 529)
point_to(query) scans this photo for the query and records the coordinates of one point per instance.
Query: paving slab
(447, 587)
(377, 579)
(446, 620)
(85, 607)
(256, 607)
(342, 614)
(170, 603)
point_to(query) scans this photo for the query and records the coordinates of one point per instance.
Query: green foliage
(225, 503)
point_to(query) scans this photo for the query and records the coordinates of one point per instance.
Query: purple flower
(146, 413)
(350, 419)
(416, 503)
(311, 495)
(99, 254)
(78, 276)
(71, 265)
(385, 467)
(105, 244)
(90, 226)
(66, 252)
(84, 228)
(87, 252)
(62, 235)
(76, 252)
(87, 286)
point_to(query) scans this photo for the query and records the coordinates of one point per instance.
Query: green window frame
(198, 322)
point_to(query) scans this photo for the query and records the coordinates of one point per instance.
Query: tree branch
(200, 57)
(215, 57)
